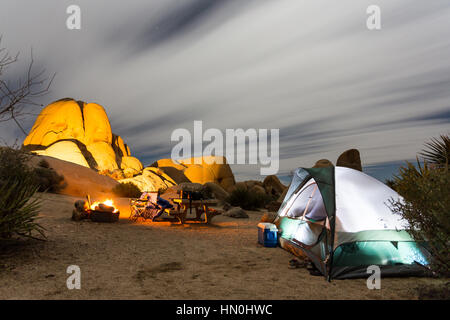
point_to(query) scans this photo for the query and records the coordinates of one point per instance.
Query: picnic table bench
(200, 207)
(139, 208)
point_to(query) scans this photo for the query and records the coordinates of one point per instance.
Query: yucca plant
(19, 209)
(437, 151)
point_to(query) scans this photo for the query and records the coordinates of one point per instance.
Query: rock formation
(350, 159)
(80, 132)
(273, 186)
(199, 170)
(323, 163)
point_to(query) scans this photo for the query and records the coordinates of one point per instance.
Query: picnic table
(200, 207)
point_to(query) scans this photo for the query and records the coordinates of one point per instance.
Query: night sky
(309, 68)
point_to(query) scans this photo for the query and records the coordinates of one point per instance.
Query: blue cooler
(267, 234)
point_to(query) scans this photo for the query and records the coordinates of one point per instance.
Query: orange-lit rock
(80, 132)
(96, 124)
(104, 155)
(131, 163)
(201, 170)
(67, 151)
(60, 120)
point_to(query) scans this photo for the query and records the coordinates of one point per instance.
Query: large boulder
(350, 159)
(273, 186)
(257, 189)
(80, 132)
(151, 179)
(216, 190)
(199, 170)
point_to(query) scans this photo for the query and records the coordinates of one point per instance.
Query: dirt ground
(128, 260)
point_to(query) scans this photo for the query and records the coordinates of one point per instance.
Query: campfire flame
(109, 203)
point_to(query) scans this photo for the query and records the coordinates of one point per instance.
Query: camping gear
(267, 234)
(145, 207)
(346, 225)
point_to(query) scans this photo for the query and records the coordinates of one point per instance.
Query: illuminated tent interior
(340, 218)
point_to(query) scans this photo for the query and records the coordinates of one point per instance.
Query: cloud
(309, 68)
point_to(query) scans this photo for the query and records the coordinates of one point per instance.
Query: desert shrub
(44, 164)
(241, 197)
(127, 190)
(48, 180)
(426, 206)
(18, 207)
(13, 164)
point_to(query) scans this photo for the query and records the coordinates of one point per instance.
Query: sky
(309, 68)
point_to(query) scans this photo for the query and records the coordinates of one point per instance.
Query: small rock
(236, 212)
(81, 205)
(77, 215)
(226, 206)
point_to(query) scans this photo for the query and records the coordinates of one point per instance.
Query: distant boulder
(240, 185)
(323, 163)
(273, 186)
(199, 170)
(350, 159)
(257, 189)
(216, 190)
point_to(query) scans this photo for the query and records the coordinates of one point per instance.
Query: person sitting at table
(163, 204)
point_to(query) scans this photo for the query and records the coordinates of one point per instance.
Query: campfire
(99, 211)
(105, 206)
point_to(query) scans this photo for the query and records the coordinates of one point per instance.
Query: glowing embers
(105, 206)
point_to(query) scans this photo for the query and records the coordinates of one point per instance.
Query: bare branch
(15, 99)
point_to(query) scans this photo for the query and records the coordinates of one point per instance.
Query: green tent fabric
(359, 229)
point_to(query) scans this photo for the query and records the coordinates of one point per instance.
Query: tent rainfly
(341, 219)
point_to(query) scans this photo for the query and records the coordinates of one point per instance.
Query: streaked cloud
(309, 68)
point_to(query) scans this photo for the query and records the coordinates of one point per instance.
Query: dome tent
(340, 218)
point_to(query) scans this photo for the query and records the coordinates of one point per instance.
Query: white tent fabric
(362, 203)
(308, 202)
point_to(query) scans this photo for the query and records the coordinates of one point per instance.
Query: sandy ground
(127, 260)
